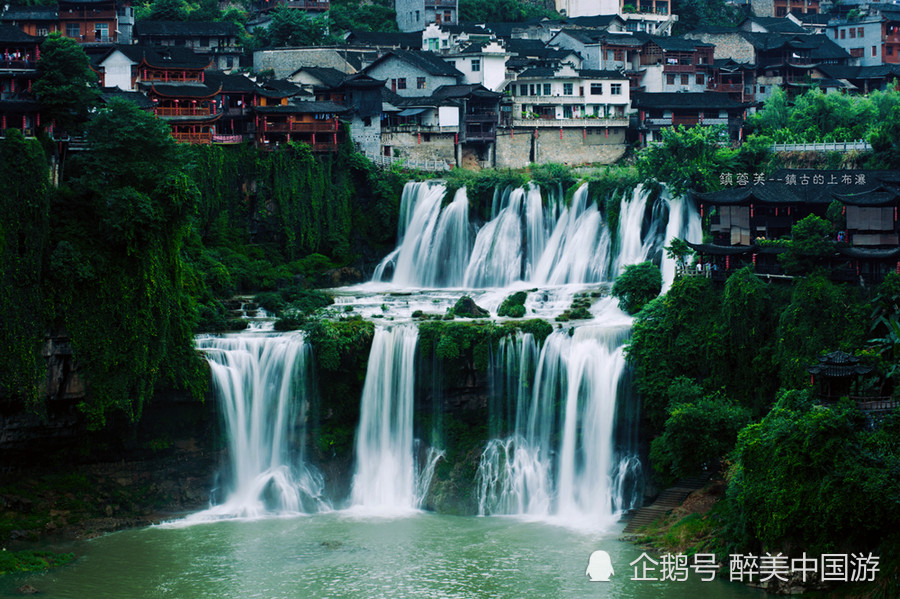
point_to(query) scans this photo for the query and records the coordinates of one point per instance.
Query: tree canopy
(66, 87)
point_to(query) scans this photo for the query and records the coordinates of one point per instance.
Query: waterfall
(388, 478)
(529, 239)
(260, 383)
(560, 458)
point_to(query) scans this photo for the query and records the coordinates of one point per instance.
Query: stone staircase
(665, 502)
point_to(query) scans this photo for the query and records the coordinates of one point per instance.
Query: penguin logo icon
(599, 567)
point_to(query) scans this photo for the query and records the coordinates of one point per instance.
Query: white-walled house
(482, 63)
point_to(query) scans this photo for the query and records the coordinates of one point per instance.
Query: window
(448, 16)
(401, 83)
(874, 51)
(843, 34)
(685, 79)
(619, 55)
(420, 82)
(762, 89)
(534, 90)
(615, 89)
(417, 16)
(859, 32)
(670, 79)
(890, 50)
(835, 33)
(857, 52)
(523, 90)
(567, 89)
(547, 88)
(852, 33)
(42, 31)
(476, 65)
(596, 89)
(73, 30)
(567, 112)
(699, 79)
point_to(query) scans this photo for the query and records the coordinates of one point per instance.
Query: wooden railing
(229, 139)
(193, 138)
(183, 111)
(283, 127)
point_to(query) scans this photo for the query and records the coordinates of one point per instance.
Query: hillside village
(441, 93)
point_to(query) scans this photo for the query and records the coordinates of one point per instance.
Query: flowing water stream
(560, 468)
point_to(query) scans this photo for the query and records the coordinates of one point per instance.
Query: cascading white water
(529, 239)
(387, 478)
(260, 382)
(559, 460)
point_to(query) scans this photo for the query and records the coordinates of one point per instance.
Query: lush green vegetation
(514, 305)
(637, 285)
(31, 561)
(66, 85)
(708, 362)
(503, 11)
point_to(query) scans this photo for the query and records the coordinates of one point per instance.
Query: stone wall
(517, 148)
(728, 45)
(425, 146)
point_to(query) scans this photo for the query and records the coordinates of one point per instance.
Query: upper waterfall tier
(529, 238)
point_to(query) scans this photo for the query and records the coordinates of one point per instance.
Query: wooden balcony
(681, 68)
(193, 138)
(18, 65)
(481, 117)
(172, 111)
(288, 127)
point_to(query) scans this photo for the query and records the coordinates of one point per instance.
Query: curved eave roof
(179, 90)
(881, 197)
(710, 249)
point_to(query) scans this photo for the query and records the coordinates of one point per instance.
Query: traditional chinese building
(19, 53)
(748, 219)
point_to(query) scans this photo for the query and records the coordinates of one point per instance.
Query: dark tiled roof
(881, 71)
(303, 107)
(230, 83)
(813, 18)
(391, 39)
(14, 35)
(599, 21)
(710, 100)
(776, 24)
(678, 44)
(142, 101)
(329, 77)
(185, 29)
(170, 57)
(427, 61)
(446, 92)
(30, 13)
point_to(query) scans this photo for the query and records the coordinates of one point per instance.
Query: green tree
(291, 27)
(352, 15)
(503, 11)
(704, 13)
(25, 205)
(811, 243)
(748, 318)
(673, 335)
(66, 87)
(812, 478)
(687, 158)
(117, 273)
(637, 285)
(699, 431)
(821, 317)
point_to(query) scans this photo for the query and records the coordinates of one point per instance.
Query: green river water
(342, 555)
